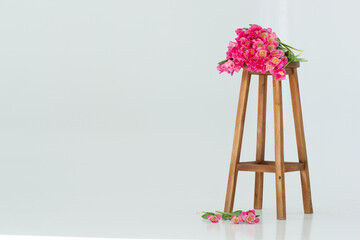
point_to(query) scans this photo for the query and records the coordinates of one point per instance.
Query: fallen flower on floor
(214, 218)
(236, 217)
(249, 217)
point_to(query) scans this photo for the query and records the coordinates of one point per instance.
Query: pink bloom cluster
(255, 49)
(248, 217)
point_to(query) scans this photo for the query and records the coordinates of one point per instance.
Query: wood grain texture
(279, 150)
(238, 135)
(300, 140)
(260, 141)
(269, 166)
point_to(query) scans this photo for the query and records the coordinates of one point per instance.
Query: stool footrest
(269, 166)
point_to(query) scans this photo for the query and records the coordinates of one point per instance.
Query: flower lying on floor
(249, 217)
(214, 218)
(259, 50)
(236, 217)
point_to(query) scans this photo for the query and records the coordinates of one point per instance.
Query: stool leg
(279, 151)
(239, 128)
(260, 141)
(300, 140)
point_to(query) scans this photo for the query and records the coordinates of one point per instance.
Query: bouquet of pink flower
(236, 217)
(259, 50)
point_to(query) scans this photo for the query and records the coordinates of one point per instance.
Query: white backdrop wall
(113, 109)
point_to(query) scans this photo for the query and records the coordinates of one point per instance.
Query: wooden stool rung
(268, 166)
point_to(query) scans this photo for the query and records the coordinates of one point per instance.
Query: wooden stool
(279, 167)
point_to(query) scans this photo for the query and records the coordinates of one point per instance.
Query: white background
(115, 123)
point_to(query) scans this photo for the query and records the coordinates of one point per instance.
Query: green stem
(288, 46)
(285, 46)
(223, 61)
(293, 48)
(223, 213)
(288, 63)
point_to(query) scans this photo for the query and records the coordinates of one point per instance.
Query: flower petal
(243, 216)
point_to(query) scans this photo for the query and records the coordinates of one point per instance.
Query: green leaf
(294, 48)
(207, 213)
(257, 216)
(291, 57)
(222, 62)
(219, 212)
(237, 213)
(282, 48)
(300, 60)
(225, 217)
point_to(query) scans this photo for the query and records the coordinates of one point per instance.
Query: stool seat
(279, 166)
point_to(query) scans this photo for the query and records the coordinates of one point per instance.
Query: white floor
(185, 225)
(78, 197)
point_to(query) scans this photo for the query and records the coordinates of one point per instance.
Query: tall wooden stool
(279, 167)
